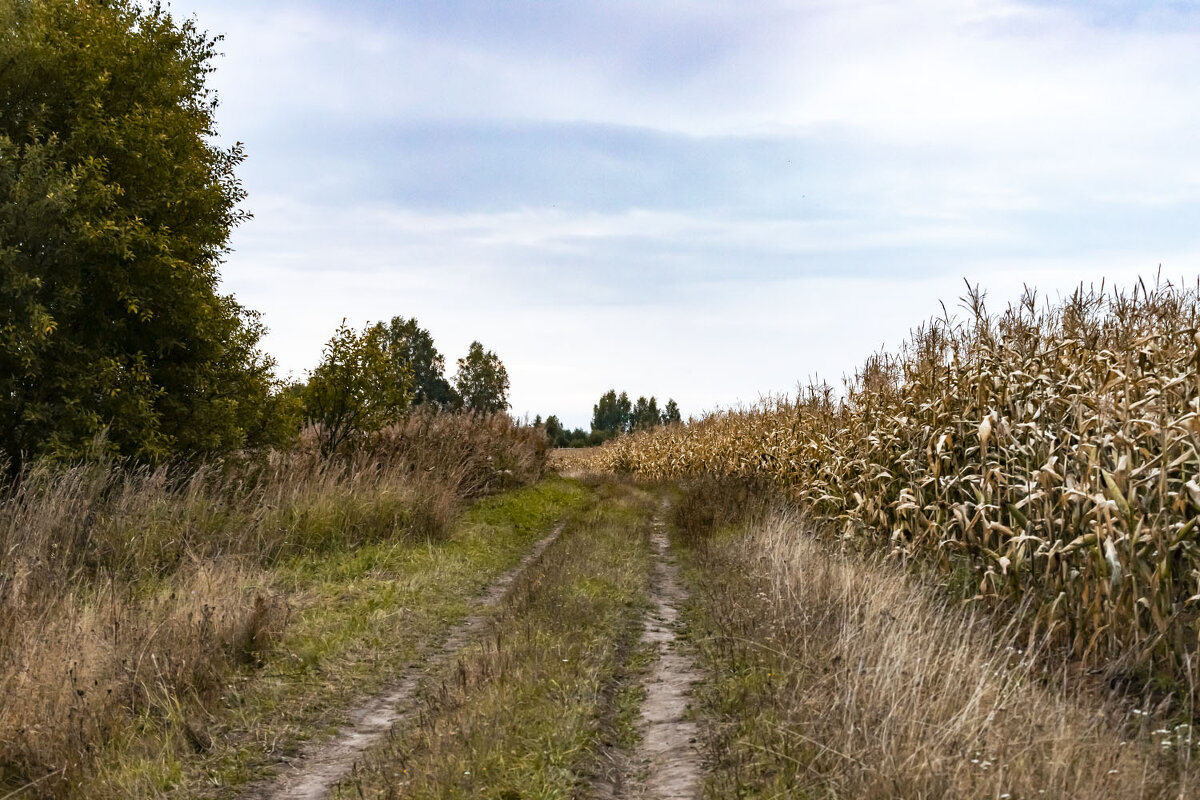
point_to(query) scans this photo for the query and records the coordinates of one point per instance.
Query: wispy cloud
(702, 199)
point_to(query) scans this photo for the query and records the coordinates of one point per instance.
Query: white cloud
(992, 139)
(711, 335)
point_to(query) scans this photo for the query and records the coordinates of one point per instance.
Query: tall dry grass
(578, 461)
(482, 453)
(1046, 456)
(881, 688)
(134, 591)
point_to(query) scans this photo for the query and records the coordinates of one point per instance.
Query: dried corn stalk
(1052, 450)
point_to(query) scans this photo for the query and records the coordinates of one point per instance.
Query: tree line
(367, 378)
(614, 414)
(116, 208)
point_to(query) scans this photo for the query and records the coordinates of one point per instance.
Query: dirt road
(322, 764)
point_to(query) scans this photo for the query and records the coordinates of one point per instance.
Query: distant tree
(482, 381)
(116, 206)
(356, 389)
(645, 415)
(671, 413)
(555, 432)
(611, 415)
(412, 349)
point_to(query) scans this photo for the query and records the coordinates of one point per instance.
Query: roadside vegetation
(128, 599)
(835, 674)
(171, 512)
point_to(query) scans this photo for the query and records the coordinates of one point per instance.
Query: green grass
(358, 617)
(524, 712)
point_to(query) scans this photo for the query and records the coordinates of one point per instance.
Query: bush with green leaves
(357, 388)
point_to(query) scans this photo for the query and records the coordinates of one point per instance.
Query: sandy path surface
(667, 757)
(322, 764)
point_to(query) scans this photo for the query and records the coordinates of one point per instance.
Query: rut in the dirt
(667, 759)
(318, 767)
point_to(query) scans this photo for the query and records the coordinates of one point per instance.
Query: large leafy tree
(115, 211)
(482, 380)
(413, 350)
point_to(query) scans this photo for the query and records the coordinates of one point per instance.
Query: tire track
(320, 766)
(667, 764)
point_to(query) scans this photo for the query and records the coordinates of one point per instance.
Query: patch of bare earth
(667, 764)
(321, 765)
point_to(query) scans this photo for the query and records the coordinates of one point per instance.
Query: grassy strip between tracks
(357, 617)
(526, 711)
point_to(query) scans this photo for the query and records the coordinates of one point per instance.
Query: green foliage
(115, 210)
(558, 436)
(614, 415)
(670, 415)
(357, 388)
(413, 350)
(611, 414)
(554, 431)
(645, 414)
(482, 381)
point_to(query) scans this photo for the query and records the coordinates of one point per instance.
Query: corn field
(1048, 456)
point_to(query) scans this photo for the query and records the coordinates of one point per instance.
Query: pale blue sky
(704, 200)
